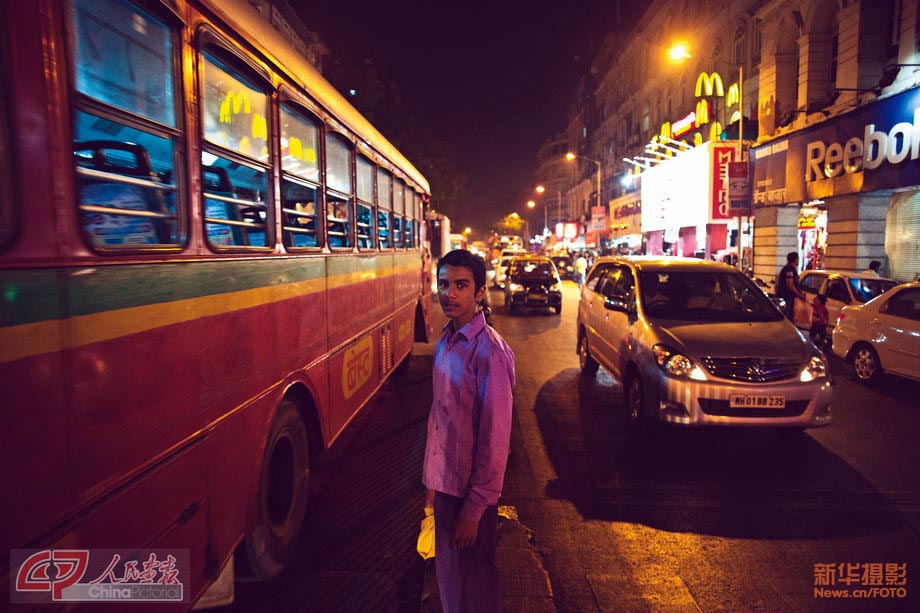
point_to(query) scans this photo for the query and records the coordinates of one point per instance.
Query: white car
(882, 335)
(501, 267)
(840, 288)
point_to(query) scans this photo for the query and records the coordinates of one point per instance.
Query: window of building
(338, 193)
(757, 41)
(299, 178)
(835, 50)
(738, 55)
(126, 132)
(234, 159)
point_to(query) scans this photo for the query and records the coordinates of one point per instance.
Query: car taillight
(839, 318)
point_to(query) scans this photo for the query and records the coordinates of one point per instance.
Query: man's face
(457, 294)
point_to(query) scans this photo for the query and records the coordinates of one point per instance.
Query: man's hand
(465, 531)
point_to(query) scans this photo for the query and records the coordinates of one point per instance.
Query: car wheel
(282, 495)
(635, 398)
(866, 364)
(588, 364)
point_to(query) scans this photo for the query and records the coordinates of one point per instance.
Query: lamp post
(571, 156)
(678, 52)
(540, 189)
(531, 204)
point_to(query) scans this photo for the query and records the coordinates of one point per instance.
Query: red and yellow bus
(209, 261)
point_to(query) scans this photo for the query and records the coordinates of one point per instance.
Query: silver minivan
(698, 343)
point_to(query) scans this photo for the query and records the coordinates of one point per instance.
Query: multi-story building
(831, 124)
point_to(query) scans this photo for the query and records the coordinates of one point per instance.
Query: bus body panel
(144, 384)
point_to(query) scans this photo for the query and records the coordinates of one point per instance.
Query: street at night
(681, 520)
(407, 306)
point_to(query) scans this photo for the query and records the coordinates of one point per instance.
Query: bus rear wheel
(282, 494)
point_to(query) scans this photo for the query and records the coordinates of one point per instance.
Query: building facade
(824, 96)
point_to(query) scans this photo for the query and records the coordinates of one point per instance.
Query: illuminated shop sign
(684, 124)
(709, 85)
(689, 190)
(873, 147)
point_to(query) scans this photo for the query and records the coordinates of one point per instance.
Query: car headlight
(515, 287)
(677, 364)
(816, 368)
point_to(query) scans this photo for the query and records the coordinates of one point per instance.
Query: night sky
(490, 80)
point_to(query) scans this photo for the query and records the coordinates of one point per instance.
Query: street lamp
(571, 156)
(678, 52)
(540, 189)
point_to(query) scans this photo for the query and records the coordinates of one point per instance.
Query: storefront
(685, 208)
(625, 226)
(844, 192)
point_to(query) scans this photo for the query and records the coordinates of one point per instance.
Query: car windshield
(866, 289)
(532, 268)
(704, 296)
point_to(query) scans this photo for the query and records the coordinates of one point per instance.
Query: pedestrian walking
(819, 317)
(581, 267)
(874, 267)
(469, 437)
(787, 284)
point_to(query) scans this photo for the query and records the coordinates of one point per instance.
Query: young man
(469, 437)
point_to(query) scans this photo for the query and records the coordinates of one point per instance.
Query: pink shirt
(469, 427)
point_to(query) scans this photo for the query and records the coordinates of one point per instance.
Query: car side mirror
(617, 304)
(779, 302)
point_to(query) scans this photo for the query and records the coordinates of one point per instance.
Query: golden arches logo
(665, 129)
(702, 112)
(357, 366)
(710, 83)
(734, 94)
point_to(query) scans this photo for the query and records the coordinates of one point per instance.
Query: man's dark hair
(792, 256)
(875, 265)
(466, 259)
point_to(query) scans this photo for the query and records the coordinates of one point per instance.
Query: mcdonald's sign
(710, 84)
(734, 94)
(702, 112)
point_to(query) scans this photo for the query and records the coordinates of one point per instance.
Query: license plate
(758, 401)
(536, 297)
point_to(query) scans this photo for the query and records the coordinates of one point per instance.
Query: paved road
(704, 520)
(686, 521)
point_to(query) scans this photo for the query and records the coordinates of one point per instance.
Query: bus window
(408, 222)
(338, 193)
(236, 147)
(299, 179)
(365, 213)
(399, 208)
(384, 205)
(6, 170)
(125, 171)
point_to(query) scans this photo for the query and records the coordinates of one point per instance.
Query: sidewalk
(525, 584)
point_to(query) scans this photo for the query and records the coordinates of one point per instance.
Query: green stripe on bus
(35, 295)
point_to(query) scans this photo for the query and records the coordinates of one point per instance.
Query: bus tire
(282, 495)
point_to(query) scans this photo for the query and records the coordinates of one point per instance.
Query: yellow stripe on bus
(26, 340)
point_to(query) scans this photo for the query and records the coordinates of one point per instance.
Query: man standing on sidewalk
(469, 437)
